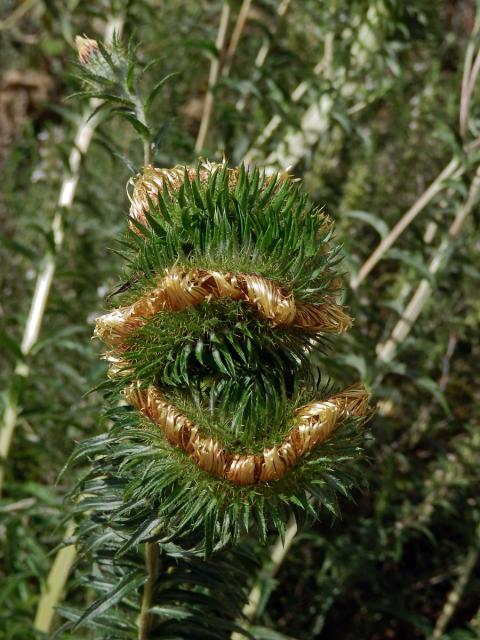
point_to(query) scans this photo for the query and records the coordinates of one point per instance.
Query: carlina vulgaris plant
(229, 297)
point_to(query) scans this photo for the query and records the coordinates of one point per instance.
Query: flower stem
(152, 565)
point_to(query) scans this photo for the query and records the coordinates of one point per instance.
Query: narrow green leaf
(156, 90)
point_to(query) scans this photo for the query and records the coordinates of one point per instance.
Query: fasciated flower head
(217, 344)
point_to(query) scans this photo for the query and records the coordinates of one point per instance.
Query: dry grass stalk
(262, 56)
(215, 69)
(453, 169)
(412, 311)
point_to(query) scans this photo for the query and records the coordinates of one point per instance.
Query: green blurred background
(363, 100)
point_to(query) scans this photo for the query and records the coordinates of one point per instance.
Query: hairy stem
(142, 117)
(152, 565)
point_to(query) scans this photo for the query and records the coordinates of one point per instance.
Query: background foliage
(362, 98)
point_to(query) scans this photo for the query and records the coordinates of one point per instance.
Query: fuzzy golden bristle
(180, 289)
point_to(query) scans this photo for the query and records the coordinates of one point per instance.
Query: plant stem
(18, 13)
(55, 584)
(45, 276)
(222, 64)
(386, 351)
(142, 117)
(324, 66)
(427, 196)
(215, 68)
(147, 153)
(236, 34)
(412, 436)
(62, 564)
(317, 118)
(152, 565)
(468, 80)
(262, 56)
(279, 551)
(453, 168)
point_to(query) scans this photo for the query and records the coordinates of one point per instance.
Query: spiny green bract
(156, 493)
(264, 225)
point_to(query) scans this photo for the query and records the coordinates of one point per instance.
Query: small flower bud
(86, 48)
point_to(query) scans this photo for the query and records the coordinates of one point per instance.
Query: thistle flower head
(102, 64)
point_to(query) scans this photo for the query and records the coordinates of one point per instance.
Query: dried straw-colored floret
(180, 289)
(152, 181)
(314, 423)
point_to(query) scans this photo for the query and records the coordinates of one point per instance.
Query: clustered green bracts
(231, 372)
